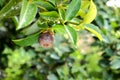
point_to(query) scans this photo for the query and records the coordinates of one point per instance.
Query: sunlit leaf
(72, 9)
(92, 12)
(27, 14)
(72, 34)
(27, 41)
(85, 4)
(84, 7)
(95, 30)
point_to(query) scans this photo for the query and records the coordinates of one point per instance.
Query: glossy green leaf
(52, 15)
(27, 41)
(72, 34)
(45, 4)
(72, 9)
(95, 30)
(27, 14)
(92, 12)
(59, 28)
(11, 9)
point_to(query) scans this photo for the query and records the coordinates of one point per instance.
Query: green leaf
(72, 34)
(52, 15)
(27, 41)
(95, 30)
(27, 14)
(2, 2)
(52, 77)
(84, 7)
(31, 29)
(52, 1)
(59, 28)
(11, 9)
(42, 25)
(85, 4)
(100, 20)
(115, 64)
(45, 5)
(61, 13)
(72, 9)
(92, 12)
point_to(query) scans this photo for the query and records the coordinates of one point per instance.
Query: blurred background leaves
(91, 60)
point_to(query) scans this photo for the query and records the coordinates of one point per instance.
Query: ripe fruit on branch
(46, 39)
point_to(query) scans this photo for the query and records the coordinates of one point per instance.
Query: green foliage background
(92, 60)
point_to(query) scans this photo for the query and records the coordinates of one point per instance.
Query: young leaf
(72, 9)
(11, 9)
(92, 12)
(52, 15)
(84, 7)
(95, 30)
(27, 14)
(85, 4)
(27, 41)
(72, 34)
